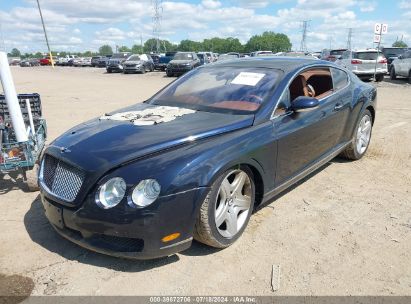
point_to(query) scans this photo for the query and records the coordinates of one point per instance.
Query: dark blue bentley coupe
(195, 160)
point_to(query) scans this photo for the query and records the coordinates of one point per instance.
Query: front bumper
(115, 67)
(179, 69)
(128, 232)
(134, 68)
(160, 66)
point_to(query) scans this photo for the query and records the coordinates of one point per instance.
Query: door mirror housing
(400, 57)
(304, 104)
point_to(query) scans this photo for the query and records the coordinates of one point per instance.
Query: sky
(80, 25)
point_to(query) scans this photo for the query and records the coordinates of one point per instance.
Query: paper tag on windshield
(247, 78)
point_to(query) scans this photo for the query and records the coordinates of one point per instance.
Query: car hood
(180, 61)
(102, 143)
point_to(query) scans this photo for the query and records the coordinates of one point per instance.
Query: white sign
(377, 38)
(380, 28)
(247, 78)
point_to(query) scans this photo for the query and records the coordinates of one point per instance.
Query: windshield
(134, 58)
(183, 56)
(366, 55)
(119, 55)
(337, 52)
(221, 89)
(393, 52)
(227, 57)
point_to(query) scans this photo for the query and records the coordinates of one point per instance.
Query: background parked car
(402, 66)
(362, 63)
(64, 61)
(332, 55)
(95, 60)
(115, 63)
(203, 58)
(392, 53)
(228, 56)
(182, 63)
(164, 60)
(77, 61)
(86, 62)
(103, 61)
(45, 61)
(138, 63)
(29, 62)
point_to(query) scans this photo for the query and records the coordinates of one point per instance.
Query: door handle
(338, 106)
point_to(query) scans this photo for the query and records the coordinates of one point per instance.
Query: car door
(305, 137)
(405, 64)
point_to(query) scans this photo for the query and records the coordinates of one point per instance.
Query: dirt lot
(346, 230)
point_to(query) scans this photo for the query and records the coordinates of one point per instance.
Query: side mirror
(304, 104)
(400, 57)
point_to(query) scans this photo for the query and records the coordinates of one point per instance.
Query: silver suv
(402, 66)
(363, 63)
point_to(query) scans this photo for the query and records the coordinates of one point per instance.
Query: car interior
(312, 83)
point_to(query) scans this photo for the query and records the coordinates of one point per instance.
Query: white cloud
(211, 4)
(405, 4)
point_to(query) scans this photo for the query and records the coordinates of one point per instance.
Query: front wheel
(409, 77)
(168, 73)
(227, 208)
(361, 139)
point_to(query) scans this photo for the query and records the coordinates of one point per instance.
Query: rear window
(365, 55)
(337, 52)
(183, 56)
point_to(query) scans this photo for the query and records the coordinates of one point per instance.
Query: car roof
(287, 64)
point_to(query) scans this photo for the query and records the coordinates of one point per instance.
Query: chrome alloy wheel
(363, 134)
(233, 203)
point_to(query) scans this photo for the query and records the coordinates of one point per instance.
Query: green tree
(399, 43)
(38, 55)
(105, 50)
(151, 46)
(269, 41)
(124, 48)
(136, 49)
(15, 53)
(190, 45)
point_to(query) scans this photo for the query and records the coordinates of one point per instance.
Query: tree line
(267, 41)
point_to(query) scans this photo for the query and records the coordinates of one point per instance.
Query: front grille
(62, 180)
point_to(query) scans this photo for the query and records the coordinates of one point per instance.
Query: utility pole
(158, 11)
(141, 43)
(45, 34)
(349, 38)
(303, 45)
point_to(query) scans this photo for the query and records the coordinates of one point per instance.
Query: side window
(283, 103)
(407, 55)
(340, 79)
(345, 55)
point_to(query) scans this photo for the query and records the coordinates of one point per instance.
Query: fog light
(145, 193)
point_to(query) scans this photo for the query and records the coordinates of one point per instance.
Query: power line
(303, 45)
(158, 11)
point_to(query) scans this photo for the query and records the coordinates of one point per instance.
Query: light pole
(45, 34)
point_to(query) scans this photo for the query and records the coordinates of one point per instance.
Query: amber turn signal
(170, 237)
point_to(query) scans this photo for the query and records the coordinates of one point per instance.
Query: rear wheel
(227, 208)
(409, 77)
(392, 74)
(379, 77)
(361, 139)
(168, 73)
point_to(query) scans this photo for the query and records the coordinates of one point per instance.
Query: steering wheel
(252, 98)
(311, 91)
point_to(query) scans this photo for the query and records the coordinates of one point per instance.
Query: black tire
(393, 76)
(351, 151)
(409, 77)
(109, 71)
(205, 230)
(168, 73)
(379, 77)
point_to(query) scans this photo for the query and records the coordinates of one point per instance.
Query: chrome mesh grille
(63, 180)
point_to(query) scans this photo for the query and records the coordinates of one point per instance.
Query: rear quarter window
(340, 78)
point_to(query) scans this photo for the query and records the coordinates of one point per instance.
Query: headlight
(145, 193)
(111, 193)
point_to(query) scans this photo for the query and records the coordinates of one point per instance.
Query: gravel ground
(345, 230)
